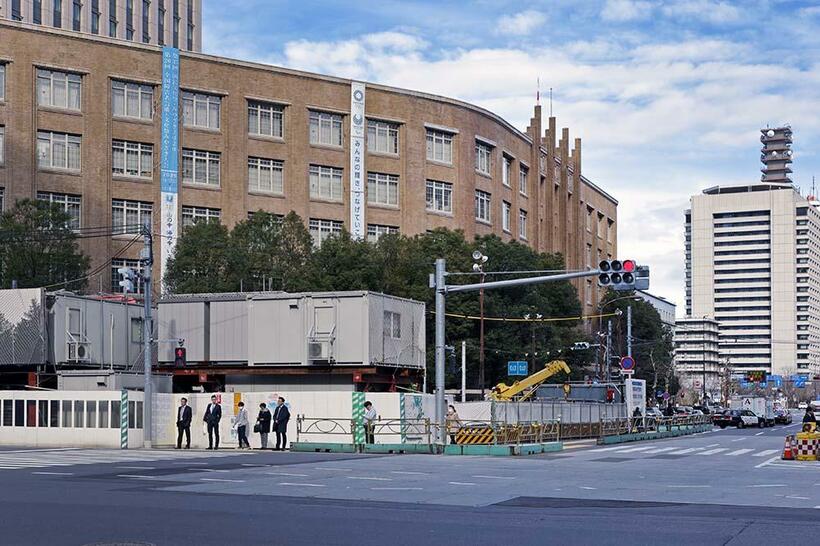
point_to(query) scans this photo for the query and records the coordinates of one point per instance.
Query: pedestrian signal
(179, 356)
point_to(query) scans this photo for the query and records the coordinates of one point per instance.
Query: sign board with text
(517, 367)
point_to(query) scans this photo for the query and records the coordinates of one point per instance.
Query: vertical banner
(357, 169)
(169, 168)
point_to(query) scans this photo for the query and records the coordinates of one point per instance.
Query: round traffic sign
(627, 363)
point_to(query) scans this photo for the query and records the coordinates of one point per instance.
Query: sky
(668, 95)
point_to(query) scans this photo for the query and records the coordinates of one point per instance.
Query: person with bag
(281, 416)
(241, 425)
(262, 425)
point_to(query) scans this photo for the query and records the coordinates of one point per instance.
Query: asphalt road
(722, 487)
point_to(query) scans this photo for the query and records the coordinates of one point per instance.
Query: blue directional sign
(799, 381)
(517, 367)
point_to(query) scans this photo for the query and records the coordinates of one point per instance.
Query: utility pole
(629, 330)
(147, 330)
(608, 351)
(481, 338)
(463, 371)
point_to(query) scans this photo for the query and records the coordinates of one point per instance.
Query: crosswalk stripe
(660, 449)
(687, 450)
(713, 451)
(766, 453)
(634, 449)
(70, 457)
(739, 452)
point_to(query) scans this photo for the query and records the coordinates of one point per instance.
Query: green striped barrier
(358, 418)
(124, 419)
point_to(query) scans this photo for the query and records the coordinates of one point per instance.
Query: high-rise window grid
(382, 137)
(134, 159)
(200, 110)
(58, 151)
(383, 189)
(375, 231)
(506, 212)
(482, 206)
(128, 217)
(70, 204)
(483, 157)
(440, 146)
(325, 183)
(200, 167)
(439, 196)
(321, 229)
(522, 224)
(59, 89)
(325, 128)
(132, 100)
(266, 175)
(523, 174)
(266, 119)
(194, 215)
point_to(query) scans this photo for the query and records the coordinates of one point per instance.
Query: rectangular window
(31, 413)
(383, 189)
(112, 18)
(19, 413)
(36, 11)
(483, 157)
(76, 15)
(95, 16)
(609, 229)
(266, 175)
(115, 414)
(132, 413)
(190, 27)
(201, 110)
(506, 171)
(506, 209)
(325, 128)
(58, 151)
(90, 414)
(440, 146)
(161, 22)
(132, 100)
(132, 159)
(382, 137)
(8, 413)
(68, 414)
(16, 14)
(69, 203)
(482, 206)
(200, 167)
(57, 12)
(175, 29)
(522, 224)
(439, 196)
(375, 231)
(102, 411)
(146, 21)
(2, 196)
(129, 216)
(588, 220)
(129, 19)
(136, 330)
(325, 183)
(193, 215)
(323, 229)
(54, 414)
(42, 413)
(392, 325)
(79, 414)
(522, 180)
(266, 119)
(2, 82)
(2, 147)
(58, 89)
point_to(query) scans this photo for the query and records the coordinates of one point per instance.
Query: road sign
(517, 367)
(627, 363)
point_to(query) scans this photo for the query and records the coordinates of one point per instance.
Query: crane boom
(521, 390)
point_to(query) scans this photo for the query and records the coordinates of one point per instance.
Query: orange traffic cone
(788, 454)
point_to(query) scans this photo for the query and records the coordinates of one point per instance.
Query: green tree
(37, 248)
(202, 261)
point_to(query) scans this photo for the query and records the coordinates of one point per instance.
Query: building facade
(753, 264)
(697, 356)
(176, 23)
(664, 307)
(256, 137)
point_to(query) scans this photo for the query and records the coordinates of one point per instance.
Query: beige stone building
(80, 124)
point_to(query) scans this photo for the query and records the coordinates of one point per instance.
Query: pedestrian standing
(213, 414)
(263, 425)
(184, 418)
(281, 416)
(453, 423)
(370, 416)
(242, 426)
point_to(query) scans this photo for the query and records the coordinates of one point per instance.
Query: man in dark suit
(281, 416)
(184, 417)
(212, 416)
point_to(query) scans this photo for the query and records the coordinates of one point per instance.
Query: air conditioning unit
(78, 351)
(319, 351)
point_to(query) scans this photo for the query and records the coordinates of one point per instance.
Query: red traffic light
(629, 266)
(179, 356)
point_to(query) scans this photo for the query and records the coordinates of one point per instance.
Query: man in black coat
(184, 417)
(212, 417)
(281, 416)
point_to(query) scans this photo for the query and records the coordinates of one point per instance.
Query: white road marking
(302, 484)
(54, 473)
(713, 451)
(608, 449)
(136, 476)
(285, 474)
(396, 488)
(739, 439)
(409, 473)
(587, 488)
(689, 486)
(333, 468)
(796, 497)
(461, 483)
(220, 480)
(207, 470)
(768, 485)
(737, 452)
(766, 453)
(760, 434)
(137, 467)
(661, 449)
(687, 450)
(767, 462)
(370, 478)
(634, 449)
(713, 445)
(494, 477)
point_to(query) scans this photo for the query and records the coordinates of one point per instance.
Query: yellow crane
(522, 390)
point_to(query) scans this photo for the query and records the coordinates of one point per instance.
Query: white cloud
(703, 10)
(626, 10)
(521, 24)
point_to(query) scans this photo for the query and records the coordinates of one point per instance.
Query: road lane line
(333, 468)
(767, 462)
(689, 486)
(634, 449)
(737, 452)
(137, 467)
(136, 476)
(661, 449)
(54, 473)
(687, 450)
(302, 484)
(396, 488)
(207, 470)
(713, 445)
(461, 483)
(760, 434)
(370, 478)
(739, 439)
(494, 477)
(409, 473)
(285, 474)
(766, 453)
(220, 480)
(796, 497)
(768, 485)
(587, 488)
(713, 451)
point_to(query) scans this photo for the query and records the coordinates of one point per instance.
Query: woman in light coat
(453, 423)
(242, 426)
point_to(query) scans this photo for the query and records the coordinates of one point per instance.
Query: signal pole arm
(147, 257)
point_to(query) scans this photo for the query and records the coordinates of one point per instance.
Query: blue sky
(668, 96)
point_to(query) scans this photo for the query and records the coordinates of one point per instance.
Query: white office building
(664, 307)
(753, 264)
(697, 358)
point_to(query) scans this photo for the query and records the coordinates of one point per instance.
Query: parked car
(739, 419)
(782, 417)
(683, 410)
(802, 405)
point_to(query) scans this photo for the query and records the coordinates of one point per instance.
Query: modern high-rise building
(176, 23)
(753, 265)
(697, 359)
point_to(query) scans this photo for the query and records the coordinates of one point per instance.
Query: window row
(69, 413)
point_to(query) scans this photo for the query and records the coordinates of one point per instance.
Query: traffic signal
(128, 278)
(616, 274)
(179, 357)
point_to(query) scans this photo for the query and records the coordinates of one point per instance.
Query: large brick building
(80, 124)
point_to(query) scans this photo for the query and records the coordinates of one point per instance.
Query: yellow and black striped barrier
(475, 435)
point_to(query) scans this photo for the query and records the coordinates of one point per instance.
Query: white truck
(760, 405)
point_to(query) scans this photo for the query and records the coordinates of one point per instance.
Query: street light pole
(481, 337)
